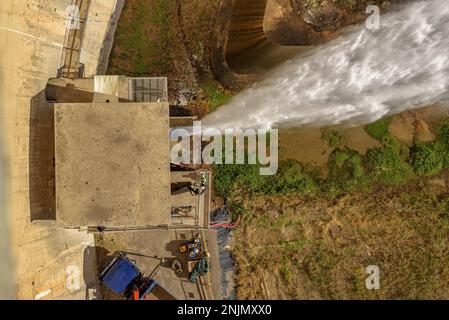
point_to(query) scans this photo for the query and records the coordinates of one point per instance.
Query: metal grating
(148, 89)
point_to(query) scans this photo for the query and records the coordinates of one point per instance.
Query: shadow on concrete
(102, 256)
(91, 271)
(180, 187)
(42, 159)
(179, 111)
(109, 38)
(67, 94)
(173, 248)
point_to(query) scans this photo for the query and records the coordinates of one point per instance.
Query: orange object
(136, 295)
(183, 248)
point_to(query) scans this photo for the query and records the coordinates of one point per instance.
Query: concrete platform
(147, 248)
(31, 41)
(112, 164)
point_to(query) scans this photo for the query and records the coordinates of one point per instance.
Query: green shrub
(346, 171)
(341, 161)
(332, 188)
(216, 96)
(443, 132)
(443, 139)
(290, 178)
(379, 129)
(294, 178)
(428, 158)
(227, 176)
(332, 137)
(386, 166)
(389, 141)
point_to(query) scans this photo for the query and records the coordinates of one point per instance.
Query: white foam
(357, 78)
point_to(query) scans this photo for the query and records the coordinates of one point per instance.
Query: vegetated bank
(304, 234)
(170, 39)
(316, 235)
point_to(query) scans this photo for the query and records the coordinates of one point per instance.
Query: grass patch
(332, 137)
(427, 158)
(286, 274)
(291, 177)
(346, 171)
(216, 95)
(144, 38)
(386, 166)
(379, 129)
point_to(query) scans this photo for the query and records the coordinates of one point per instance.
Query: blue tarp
(226, 261)
(120, 275)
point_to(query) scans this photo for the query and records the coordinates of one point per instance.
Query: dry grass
(316, 248)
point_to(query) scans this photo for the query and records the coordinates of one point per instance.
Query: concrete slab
(102, 13)
(31, 40)
(112, 164)
(189, 209)
(147, 248)
(83, 90)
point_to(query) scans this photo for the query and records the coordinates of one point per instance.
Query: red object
(226, 225)
(136, 295)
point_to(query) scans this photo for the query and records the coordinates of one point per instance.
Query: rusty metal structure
(70, 66)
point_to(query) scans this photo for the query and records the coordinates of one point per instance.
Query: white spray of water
(357, 78)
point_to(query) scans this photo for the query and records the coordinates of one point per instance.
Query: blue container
(119, 274)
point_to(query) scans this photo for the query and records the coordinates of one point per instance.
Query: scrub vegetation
(215, 94)
(391, 164)
(170, 39)
(317, 234)
(303, 233)
(135, 52)
(428, 158)
(292, 177)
